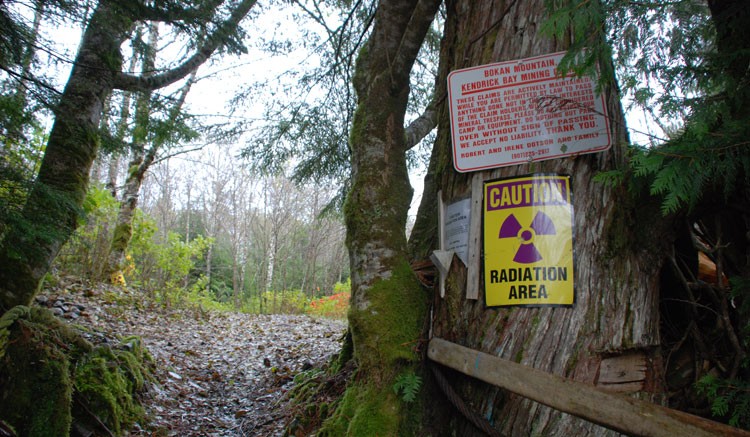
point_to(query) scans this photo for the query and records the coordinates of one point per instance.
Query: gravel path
(218, 374)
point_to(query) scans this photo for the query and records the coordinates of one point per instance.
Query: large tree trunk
(387, 306)
(617, 261)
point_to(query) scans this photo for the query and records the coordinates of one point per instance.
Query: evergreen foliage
(669, 59)
(730, 398)
(311, 124)
(308, 122)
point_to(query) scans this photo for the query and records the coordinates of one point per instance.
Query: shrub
(334, 306)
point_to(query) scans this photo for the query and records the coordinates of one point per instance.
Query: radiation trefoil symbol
(541, 225)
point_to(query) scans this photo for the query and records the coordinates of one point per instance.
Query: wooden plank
(623, 373)
(441, 220)
(612, 410)
(475, 236)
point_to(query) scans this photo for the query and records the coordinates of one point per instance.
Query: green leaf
(408, 385)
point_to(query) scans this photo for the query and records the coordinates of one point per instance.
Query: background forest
(223, 250)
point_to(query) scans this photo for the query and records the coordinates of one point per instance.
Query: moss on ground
(315, 396)
(108, 381)
(52, 378)
(35, 385)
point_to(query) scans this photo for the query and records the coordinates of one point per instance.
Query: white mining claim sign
(519, 111)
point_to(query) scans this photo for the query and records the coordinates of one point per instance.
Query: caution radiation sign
(528, 241)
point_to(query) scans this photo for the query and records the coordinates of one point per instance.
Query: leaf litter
(217, 374)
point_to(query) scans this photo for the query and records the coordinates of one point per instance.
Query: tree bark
(136, 169)
(617, 260)
(143, 159)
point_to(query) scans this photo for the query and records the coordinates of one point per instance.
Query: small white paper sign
(457, 217)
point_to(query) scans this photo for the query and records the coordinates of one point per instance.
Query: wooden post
(475, 237)
(614, 411)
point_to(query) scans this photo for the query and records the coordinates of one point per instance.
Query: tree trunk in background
(617, 261)
(120, 132)
(387, 304)
(136, 169)
(143, 159)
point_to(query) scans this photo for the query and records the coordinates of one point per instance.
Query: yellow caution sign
(528, 241)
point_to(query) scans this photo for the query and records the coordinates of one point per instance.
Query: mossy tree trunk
(617, 260)
(52, 210)
(137, 168)
(387, 305)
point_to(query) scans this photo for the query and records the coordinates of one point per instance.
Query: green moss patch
(107, 381)
(387, 332)
(52, 378)
(365, 410)
(35, 386)
(315, 396)
(386, 336)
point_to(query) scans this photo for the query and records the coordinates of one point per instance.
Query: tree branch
(219, 37)
(173, 11)
(413, 36)
(177, 153)
(423, 125)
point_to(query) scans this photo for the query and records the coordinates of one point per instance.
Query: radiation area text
(528, 282)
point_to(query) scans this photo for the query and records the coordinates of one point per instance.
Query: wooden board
(612, 410)
(623, 373)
